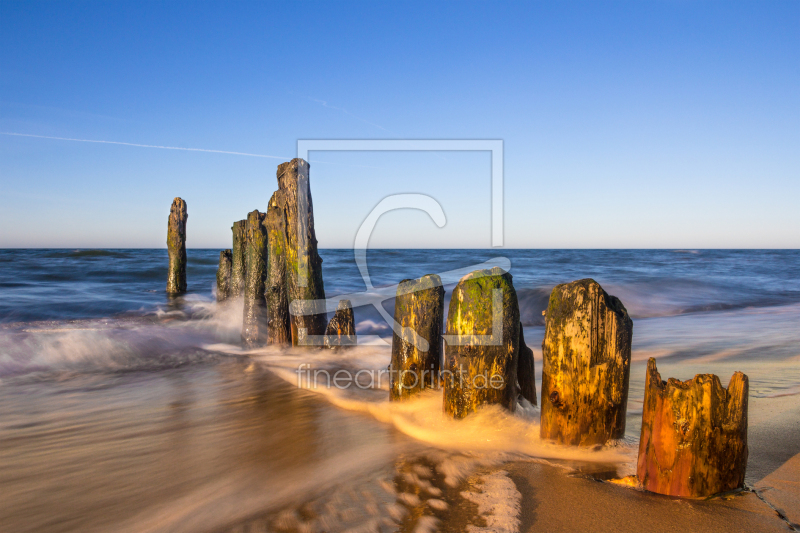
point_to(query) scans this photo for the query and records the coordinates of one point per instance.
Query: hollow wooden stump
(341, 331)
(417, 347)
(526, 371)
(176, 247)
(254, 327)
(694, 435)
(482, 343)
(224, 275)
(587, 357)
(238, 257)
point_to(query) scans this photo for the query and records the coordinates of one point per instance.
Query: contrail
(144, 145)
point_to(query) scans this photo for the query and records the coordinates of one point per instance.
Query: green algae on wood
(694, 435)
(417, 347)
(238, 257)
(526, 371)
(305, 289)
(278, 319)
(481, 344)
(341, 330)
(176, 247)
(586, 365)
(224, 276)
(254, 327)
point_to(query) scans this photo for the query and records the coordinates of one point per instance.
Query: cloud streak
(145, 145)
(346, 112)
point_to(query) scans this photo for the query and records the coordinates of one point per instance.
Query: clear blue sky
(640, 124)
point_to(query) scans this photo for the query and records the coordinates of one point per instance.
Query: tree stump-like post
(481, 344)
(176, 247)
(278, 319)
(341, 331)
(224, 275)
(303, 264)
(254, 327)
(238, 266)
(694, 435)
(586, 367)
(417, 349)
(526, 371)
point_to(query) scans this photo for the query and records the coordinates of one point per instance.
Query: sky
(624, 124)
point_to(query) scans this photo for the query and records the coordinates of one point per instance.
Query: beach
(124, 411)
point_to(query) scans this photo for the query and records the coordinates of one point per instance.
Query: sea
(124, 410)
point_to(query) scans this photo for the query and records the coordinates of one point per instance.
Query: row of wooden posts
(694, 433)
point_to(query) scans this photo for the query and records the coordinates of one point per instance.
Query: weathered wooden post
(254, 327)
(526, 371)
(694, 435)
(303, 264)
(238, 258)
(417, 349)
(587, 356)
(176, 247)
(278, 320)
(481, 344)
(224, 276)
(341, 331)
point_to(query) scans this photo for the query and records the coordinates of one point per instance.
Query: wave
(96, 253)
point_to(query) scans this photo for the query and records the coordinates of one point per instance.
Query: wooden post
(526, 371)
(587, 357)
(417, 350)
(341, 331)
(482, 343)
(303, 263)
(224, 276)
(238, 258)
(694, 435)
(278, 320)
(176, 247)
(254, 327)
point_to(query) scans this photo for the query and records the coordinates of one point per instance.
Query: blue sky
(640, 124)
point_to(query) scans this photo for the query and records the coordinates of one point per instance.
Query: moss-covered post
(224, 275)
(341, 330)
(303, 263)
(417, 348)
(526, 372)
(278, 320)
(587, 357)
(254, 327)
(481, 344)
(176, 247)
(694, 435)
(238, 257)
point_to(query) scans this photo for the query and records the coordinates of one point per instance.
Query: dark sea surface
(123, 410)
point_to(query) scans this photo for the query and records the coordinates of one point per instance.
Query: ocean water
(123, 410)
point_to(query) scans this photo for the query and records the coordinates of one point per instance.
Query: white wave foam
(499, 503)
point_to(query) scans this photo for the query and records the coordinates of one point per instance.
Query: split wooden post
(481, 344)
(238, 258)
(176, 247)
(278, 319)
(254, 327)
(586, 367)
(417, 348)
(341, 331)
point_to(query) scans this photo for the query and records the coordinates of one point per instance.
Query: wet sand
(552, 501)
